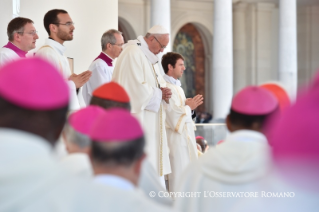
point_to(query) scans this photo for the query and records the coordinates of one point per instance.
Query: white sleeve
(155, 102)
(188, 114)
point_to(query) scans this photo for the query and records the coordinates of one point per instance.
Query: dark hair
(170, 58)
(107, 104)
(246, 121)
(122, 153)
(51, 17)
(45, 123)
(202, 143)
(17, 25)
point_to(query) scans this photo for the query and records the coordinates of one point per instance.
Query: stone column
(288, 46)
(161, 15)
(222, 76)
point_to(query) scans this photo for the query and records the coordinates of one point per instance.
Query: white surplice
(53, 52)
(180, 132)
(236, 165)
(7, 55)
(136, 70)
(101, 73)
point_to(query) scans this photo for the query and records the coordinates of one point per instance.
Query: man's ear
(170, 67)
(16, 36)
(53, 28)
(228, 124)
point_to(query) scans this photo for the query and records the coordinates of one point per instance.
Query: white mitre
(158, 29)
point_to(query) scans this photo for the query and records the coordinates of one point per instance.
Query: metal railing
(212, 132)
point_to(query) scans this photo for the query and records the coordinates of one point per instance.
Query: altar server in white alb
(102, 67)
(179, 124)
(60, 27)
(137, 71)
(237, 164)
(22, 37)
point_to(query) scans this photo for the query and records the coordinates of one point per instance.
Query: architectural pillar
(161, 15)
(288, 46)
(222, 76)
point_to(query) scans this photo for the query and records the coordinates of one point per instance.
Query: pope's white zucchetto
(158, 29)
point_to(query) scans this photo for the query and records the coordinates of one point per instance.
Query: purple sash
(15, 49)
(105, 58)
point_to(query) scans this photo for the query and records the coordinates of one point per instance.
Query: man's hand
(80, 79)
(166, 94)
(193, 103)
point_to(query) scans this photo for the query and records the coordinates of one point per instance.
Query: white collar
(114, 181)
(172, 80)
(141, 43)
(56, 45)
(108, 56)
(246, 136)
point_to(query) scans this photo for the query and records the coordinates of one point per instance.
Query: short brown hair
(17, 25)
(51, 17)
(170, 58)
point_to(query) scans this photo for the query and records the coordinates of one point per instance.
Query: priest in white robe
(60, 27)
(22, 37)
(236, 166)
(138, 72)
(102, 67)
(180, 127)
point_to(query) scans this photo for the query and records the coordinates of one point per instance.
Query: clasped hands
(166, 94)
(194, 102)
(80, 79)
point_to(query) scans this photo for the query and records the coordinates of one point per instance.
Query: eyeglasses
(68, 24)
(120, 45)
(162, 46)
(33, 33)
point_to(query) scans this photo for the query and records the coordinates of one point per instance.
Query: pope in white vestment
(137, 71)
(180, 132)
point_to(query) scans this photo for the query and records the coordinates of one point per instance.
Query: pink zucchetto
(82, 120)
(294, 138)
(33, 84)
(253, 100)
(116, 125)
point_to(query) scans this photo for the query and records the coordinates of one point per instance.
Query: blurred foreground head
(110, 95)
(33, 98)
(117, 144)
(250, 108)
(78, 126)
(295, 140)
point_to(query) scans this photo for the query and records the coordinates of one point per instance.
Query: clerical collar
(107, 59)
(16, 49)
(140, 42)
(56, 45)
(172, 80)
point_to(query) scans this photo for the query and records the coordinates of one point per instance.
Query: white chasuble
(141, 80)
(180, 135)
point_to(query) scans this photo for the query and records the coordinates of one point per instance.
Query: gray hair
(108, 37)
(79, 139)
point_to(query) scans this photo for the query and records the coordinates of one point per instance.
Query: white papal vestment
(137, 71)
